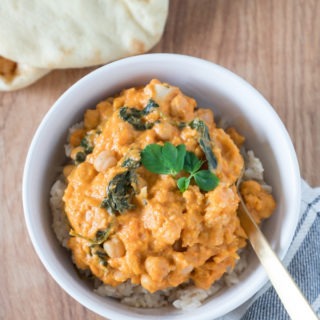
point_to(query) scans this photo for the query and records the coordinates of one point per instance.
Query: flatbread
(15, 76)
(53, 34)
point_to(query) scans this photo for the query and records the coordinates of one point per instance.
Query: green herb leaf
(131, 163)
(206, 180)
(152, 159)
(169, 154)
(100, 253)
(134, 116)
(100, 237)
(181, 157)
(88, 148)
(80, 157)
(171, 160)
(119, 193)
(173, 157)
(201, 127)
(166, 159)
(205, 142)
(211, 158)
(183, 183)
(132, 159)
(191, 162)
(182, 125)
(150, 106)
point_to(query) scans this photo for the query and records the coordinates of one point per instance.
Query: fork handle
(292, 299)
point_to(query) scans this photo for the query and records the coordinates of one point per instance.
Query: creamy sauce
(168, 237)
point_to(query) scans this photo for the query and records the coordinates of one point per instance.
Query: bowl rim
(85, 300)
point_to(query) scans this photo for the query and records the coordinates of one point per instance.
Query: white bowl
(212, 86)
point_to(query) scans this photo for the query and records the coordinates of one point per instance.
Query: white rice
(67, 147)
(185, 296)
(60, 222)
(254, 170)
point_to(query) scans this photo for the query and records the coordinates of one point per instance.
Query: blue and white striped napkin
(302, 262)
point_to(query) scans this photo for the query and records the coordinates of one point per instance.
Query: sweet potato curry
(151, 193)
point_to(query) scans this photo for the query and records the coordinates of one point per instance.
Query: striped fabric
(302, 261)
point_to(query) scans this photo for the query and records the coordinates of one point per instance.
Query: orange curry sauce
(168, 237)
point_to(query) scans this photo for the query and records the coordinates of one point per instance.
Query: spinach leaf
(205, 142)
(100, 253)
(103, 235)
(149, 107)
(131, 163)
(88, 148)
(134, 116)
(182, 125)
(80, 157)
(120, 193)
(100, 237)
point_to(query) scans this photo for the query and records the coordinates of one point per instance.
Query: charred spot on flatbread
(138, 46)
(8, 69)
(15, 75)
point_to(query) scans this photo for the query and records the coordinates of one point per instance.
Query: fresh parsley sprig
(168, 159)
(205, 179)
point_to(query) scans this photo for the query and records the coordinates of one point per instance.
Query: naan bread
(53, 34)
(15, 76)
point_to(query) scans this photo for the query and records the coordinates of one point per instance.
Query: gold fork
(292, 299)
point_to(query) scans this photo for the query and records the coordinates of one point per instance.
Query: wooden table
(273, 44)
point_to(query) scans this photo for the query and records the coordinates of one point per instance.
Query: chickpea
(181, 108)
(67, 170)
(76, 137)
(164, 130)
(147, 283)
(206, 115)
(104, 161)
(119, 276)
(114, 248)
(163, 92)
(157, 267)
(237, 138)
(118, 102)
(91, 119)
(186, 270)
(105, 110)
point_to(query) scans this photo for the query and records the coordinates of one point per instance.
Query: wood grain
(274, 44)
